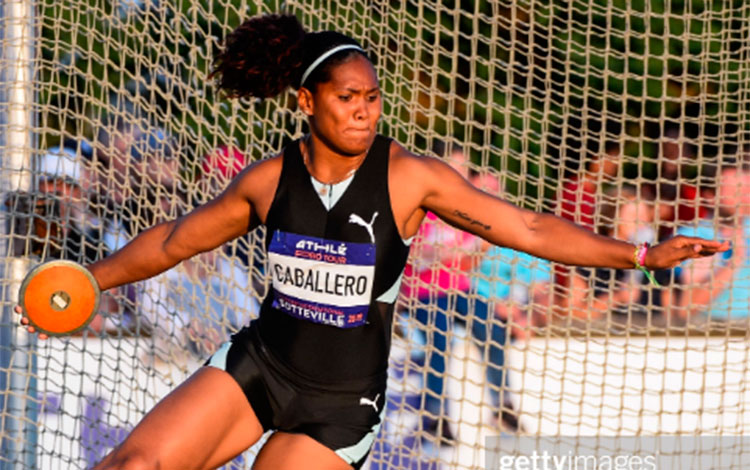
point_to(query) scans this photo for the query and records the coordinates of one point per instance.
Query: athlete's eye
(345, 97)
(373, 97)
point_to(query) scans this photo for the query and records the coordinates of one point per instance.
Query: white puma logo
(355, 219)
(366, 401)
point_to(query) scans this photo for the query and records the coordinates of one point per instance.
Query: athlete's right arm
(241, 207)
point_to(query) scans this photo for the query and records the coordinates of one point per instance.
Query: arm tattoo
(471, 221)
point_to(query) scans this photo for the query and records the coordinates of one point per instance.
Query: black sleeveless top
(324, 317)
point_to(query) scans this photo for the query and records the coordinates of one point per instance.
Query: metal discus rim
(51, 264)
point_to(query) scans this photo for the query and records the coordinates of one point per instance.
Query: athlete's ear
(305, 101)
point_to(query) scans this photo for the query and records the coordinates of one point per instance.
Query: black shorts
(345, 417)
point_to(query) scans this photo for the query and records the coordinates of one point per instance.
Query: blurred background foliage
(530, 88)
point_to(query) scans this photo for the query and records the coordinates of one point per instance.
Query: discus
(59, 297)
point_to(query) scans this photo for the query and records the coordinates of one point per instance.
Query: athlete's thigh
(201, 424)
(287, 451)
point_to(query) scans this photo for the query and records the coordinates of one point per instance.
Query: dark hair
(75, 144)
(266, 54)
(315, 45)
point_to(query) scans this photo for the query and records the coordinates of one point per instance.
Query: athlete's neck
(326, 165)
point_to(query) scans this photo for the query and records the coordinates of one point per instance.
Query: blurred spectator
(677, 200)
(111, 164)
(744, 158)
(720, 287)
(578, 201)
(131, 167)
(438, 278)
(192, 308)
(106, 180)
(79, 233)
(459, 160)
(75, 233)
(578, 196)
(675, 151)
(135, 175)
(446, 291)
(444, 256)
(441, 285)
(597, 291)
(220, 167)
(154, 158)
(515, 285)
(518, 284)
(130, 170)
(136, 7)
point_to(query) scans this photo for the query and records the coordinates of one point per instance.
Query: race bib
(323, 281)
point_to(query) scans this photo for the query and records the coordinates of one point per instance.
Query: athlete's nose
(361, 112)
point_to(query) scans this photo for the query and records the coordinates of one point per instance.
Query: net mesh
(630, 118)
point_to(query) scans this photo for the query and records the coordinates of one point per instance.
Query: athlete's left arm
(451, 197)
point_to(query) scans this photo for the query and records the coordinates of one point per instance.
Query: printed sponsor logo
(313, 246)
(364, 401)
(322, 281)
(369, 226)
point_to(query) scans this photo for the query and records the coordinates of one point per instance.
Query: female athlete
(340, 206)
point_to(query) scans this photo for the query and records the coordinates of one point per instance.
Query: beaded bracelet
(639, 258)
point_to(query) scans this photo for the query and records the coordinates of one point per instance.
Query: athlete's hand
(672, 252)
(25, 322)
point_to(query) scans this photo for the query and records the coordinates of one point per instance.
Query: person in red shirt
(677, 200)
(578, 195)
(578, 201)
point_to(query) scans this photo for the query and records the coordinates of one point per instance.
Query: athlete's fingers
(705, 252)
(693, 247)
(696, 250)
(31, 329)
(707, 249)
(18, 309)
(675, 250)
(701, 245)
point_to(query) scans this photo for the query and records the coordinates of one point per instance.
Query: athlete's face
(344, 111)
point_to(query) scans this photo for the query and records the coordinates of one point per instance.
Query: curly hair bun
(261, 58)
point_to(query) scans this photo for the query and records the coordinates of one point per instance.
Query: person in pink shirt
(438, 280)
(443, 262)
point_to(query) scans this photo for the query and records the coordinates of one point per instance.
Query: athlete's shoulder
(270, 165)
(412, 179)
(263, 169)
(259, 178)
(256, 185)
